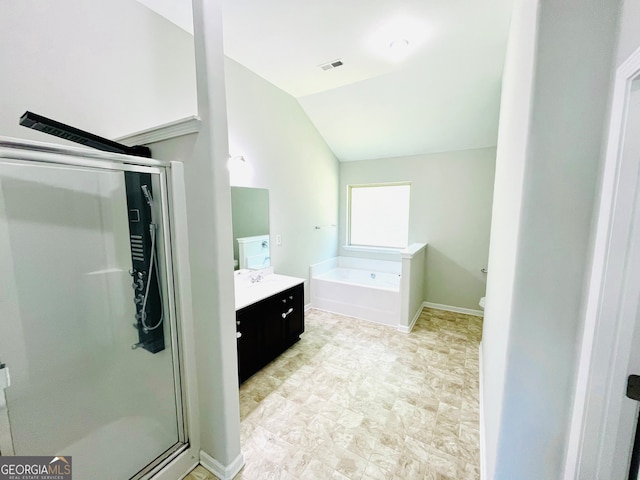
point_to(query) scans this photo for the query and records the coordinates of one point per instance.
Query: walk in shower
(88, 324)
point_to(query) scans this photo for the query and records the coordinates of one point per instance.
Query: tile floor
(357, 400)
(200, 473)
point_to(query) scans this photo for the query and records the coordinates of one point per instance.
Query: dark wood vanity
(267, 328)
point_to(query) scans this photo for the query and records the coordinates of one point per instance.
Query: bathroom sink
(265, 284)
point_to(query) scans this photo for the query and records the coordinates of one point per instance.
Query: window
(379, 215)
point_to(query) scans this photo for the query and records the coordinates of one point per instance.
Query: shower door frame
(183, 455)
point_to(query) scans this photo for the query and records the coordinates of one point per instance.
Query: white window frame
(382, 248)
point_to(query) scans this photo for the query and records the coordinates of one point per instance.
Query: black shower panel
(144, 274)
(142, 228)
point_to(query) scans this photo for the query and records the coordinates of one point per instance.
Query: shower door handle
(6, 441)
(633, 387)
(5, 379)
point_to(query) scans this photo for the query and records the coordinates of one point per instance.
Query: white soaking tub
(367, 289)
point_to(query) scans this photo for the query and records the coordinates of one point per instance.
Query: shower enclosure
(88, 323)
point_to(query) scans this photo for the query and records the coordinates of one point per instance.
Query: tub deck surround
(251, 286)
(381, 291)
(412, 285)
(366, 278)
(350, 292)
(413, 249)
(358, 287)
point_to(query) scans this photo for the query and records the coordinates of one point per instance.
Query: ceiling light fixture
(399, 45)
(398, 37)
(400, 48)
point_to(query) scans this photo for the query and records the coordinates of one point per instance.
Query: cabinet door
(293, 314)
(274, 327)
(267, 328)
(249, 333)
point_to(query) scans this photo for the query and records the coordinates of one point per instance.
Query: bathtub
(382, 291)
(367, 289)
(365, 278)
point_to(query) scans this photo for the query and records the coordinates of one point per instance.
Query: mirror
(250, 218)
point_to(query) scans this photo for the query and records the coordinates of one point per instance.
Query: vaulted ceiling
(417, 76)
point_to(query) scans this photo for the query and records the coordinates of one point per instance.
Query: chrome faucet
(256, 278)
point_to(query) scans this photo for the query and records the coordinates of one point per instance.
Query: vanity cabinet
(267, 328)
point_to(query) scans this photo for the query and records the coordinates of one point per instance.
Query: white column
(211, 252)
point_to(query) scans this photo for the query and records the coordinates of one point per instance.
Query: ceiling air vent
(330, 65)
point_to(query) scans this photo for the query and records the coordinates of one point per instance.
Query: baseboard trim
(449, 308)
(219, 470)
(407, 329)
(483, 460)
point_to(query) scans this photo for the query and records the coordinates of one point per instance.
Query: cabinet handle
(285, 314)
(238, 334)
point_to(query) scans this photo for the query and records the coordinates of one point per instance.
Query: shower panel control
(145, 283)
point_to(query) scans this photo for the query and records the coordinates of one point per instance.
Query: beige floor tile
(410, 467)
(317, 469)
(200, 473)
(355, 400)
(374, 472)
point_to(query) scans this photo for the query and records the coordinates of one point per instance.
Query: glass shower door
(89, 336)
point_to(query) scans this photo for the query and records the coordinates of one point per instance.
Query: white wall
(515, 111)
(549, 152)
(629, 36)
(450, 209)
(287, 156)
(111, 68)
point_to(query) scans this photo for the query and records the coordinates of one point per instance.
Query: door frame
(603, 420)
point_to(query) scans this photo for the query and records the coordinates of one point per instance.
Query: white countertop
(267, 284)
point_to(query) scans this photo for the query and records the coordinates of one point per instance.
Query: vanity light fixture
(240, 171)
(236, 162)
